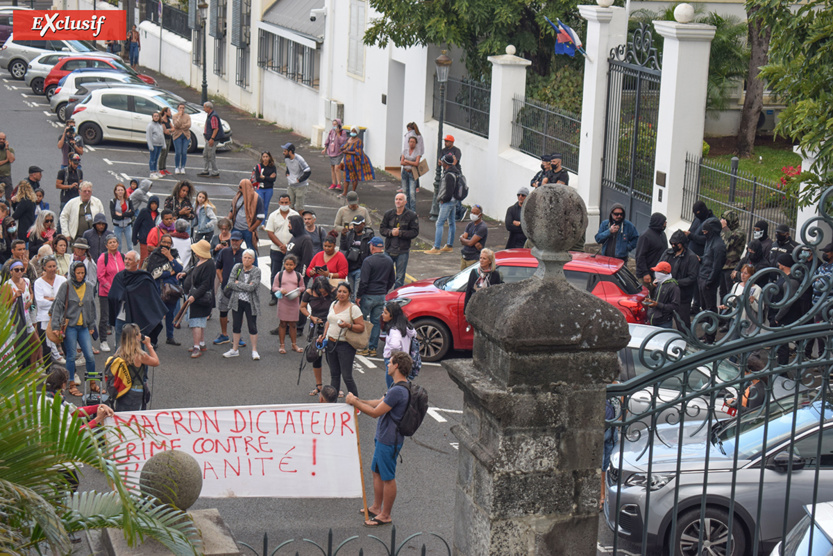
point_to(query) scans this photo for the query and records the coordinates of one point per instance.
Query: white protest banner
(280, 451)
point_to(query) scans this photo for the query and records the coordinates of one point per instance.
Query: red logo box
(70, 25)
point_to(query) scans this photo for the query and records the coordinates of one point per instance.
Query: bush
(706, 149)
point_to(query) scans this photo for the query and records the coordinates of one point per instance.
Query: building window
(220, 56)
(355, 46)
(242, 75)
(197, 38)
(288, 58)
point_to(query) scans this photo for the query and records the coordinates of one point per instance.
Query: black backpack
(461, 188)
(416, 410)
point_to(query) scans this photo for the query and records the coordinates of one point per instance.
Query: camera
(314, 13)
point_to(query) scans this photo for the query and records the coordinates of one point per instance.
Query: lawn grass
(768, 167)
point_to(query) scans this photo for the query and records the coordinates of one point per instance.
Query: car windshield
(457, 282)
(797, 542)
(81, 46)
(124, 67)
(174, 101)
(750, 439)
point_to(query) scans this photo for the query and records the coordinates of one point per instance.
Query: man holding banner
(388, 441)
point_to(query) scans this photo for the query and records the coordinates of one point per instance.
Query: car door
(143, 109)
(115, 116)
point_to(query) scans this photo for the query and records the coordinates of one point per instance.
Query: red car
(67, 65)
(435, 306)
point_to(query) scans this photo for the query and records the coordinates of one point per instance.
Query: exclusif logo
(70, 25)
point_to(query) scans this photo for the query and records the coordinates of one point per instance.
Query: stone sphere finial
(684, 13)
(554, 217)
(604, 3)
(510, 49)
(173, 477)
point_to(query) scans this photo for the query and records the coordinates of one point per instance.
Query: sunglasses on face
(618, 214)
(521, 195)
(17, 270)
(49, 221)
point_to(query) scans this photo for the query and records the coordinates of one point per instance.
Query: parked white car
(73, 81)
(124, 114)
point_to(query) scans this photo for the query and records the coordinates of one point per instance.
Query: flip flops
(376, 522)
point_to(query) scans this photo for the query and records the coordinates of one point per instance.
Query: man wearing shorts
(225, 261)
(390, 411)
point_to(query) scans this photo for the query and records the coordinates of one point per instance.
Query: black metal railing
(723, 186)
(424, 541)
(539, 129)
(466, 104)
(173, 19)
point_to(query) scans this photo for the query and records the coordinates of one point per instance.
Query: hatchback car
(70, 84)
(39, 68)
(7, 21)
(123, 115)
(435, 306)
(16, 54)
(812, 536)
(67, 65)
(764, 441)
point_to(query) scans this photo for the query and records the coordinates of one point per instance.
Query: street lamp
(203, 7)
(443, 65)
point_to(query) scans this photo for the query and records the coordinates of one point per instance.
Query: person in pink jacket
(332, 148)
(110, 263)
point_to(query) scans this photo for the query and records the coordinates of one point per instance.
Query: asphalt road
(426, 476)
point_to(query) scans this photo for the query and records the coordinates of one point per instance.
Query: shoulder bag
(422, 169)
(57, 336)
(357, 339)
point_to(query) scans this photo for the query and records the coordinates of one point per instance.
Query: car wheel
(50, 91)
(434, 339)
(715, 533)
(61, 111)
(192, 144)
(18, 69)
(91, 133)
(37, 85)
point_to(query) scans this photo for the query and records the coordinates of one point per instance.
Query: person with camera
(242, 288)
(315, 304)
(70, 143)
(222, 238)
(228, 257)
(164, 268)
(665, 298)
(356, 248)
(69, 180)
(129, 367)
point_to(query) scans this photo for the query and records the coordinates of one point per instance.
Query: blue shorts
(198, 322)
(384, 460)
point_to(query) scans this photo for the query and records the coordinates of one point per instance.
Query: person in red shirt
(329, 262)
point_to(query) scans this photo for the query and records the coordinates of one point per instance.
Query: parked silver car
(71, 82)
(788, 425)
(811, 537)
(39, 68)
(15, 55)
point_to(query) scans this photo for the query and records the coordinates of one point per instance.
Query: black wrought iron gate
(631, 127)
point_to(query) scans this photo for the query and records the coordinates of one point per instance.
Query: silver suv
(16, 55)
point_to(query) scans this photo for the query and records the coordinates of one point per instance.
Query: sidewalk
(256, 136)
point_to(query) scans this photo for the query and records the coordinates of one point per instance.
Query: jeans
(209, 157)
(154, 158)
(125, 236)
(372, 306)
(400, 263)
(340, 359)
(266, 196)
(296, 197)
(276, 261)
(169, 319)
(388, 378)
(80, 336)
(181, 147)
(134, 54)
(105, 308)
(163, 156)
(353, 278)
(247, 237)
(447, 212)
(409, 186)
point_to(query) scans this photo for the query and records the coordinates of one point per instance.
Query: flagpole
(361, 469)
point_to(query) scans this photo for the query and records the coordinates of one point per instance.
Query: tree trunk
(754, 102)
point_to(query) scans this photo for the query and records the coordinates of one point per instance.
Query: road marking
(107, 161)
(437, 417)
(55, 124)
(89, 148)
(618, 550)
(48, 113)
(125, 176)
(247, 172)
(366, 361)
(456, 411)
(8, 87)
(455, 445)
(424, 363)
(264, 263)
(357, 367)
(25, 95)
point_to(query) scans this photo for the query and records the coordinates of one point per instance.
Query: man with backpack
(400, 413)
(448, 205)
(356, 248)
(213, 134)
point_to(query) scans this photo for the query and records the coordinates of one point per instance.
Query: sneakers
(447, 249)
(255, 356)
(242, 344)
(221, 339)
(104, 347)
(433, 251)
(195, 352)
(273, 301)
(231, 353)
(367, 352)
(335, 186)
(213, 175)
(172, 342)
(155, 175)
(77, 379)
(204, 174)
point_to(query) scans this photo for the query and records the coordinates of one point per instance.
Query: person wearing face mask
(538, 178)
(665, 299)
(685, 267)
(711, 267)
(650, 246)
(784, 244)
(474, 238)
(753, 257)
(735, 241)
(557, 174)
(761, 233)
(277, 228)
(617, 236)
(696, 241)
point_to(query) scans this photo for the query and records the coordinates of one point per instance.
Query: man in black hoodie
(651, 245)
(760, 232)
(697, 242)
(711, 268)
(783, 244)
(685, 268)
(300, 245)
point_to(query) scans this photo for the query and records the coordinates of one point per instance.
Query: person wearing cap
(557, 174)
(456, 155)
(685, 267)
(794, 309)
(78, 213)
(70, 143)
(538, 179)
(297, 174)
(277, 228)
(247, 212)
(399, 226)
(81, 253)
(650, 246)
(225, 261)
(6, 160)
(357, 166)
(377, 278)
(336, 138)
(69, 181)
(783, 244)
(35, 175)
(356, 248)
(665, 299)
(199, 287)
(448, 206)
(109, 263)
(345, 215)
(517, 237)
(473, 239)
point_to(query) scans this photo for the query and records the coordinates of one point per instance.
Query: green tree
(753, 102)
(40, 441)
(800, 71)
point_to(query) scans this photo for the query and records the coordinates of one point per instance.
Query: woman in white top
(46, 287)
(752, 316)
(21, 295)
(399, 331)
(343, 316)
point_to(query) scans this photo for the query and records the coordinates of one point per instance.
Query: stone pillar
(606, 29)
(531, 438)
(508, 82)
(682, 109)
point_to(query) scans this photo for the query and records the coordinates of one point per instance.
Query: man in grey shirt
(297, 174)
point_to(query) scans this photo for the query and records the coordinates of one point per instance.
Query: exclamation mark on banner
(313, 454)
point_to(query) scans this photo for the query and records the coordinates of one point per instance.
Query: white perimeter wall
(176, 52)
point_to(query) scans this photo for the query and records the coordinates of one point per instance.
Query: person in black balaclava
(759, 232)
(685, 267)
(651, 245)
(784, 244)
(300, 245)
(755, 257)
(697, 242)
(711, 268)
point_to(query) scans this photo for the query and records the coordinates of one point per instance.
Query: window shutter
(214, 19)
(193, 15)
(236, 23)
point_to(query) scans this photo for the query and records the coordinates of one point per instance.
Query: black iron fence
(539, 129)
(173, 19)
(466, 104)
(426, 543)
(723, 186)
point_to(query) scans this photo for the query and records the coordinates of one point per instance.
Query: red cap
(663, 266)
(449, 137)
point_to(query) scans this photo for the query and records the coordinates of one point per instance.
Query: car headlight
(642, 480)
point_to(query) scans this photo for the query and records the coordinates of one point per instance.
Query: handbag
(422, 169)
(171, 293)
(57, 336)
(357, 339)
